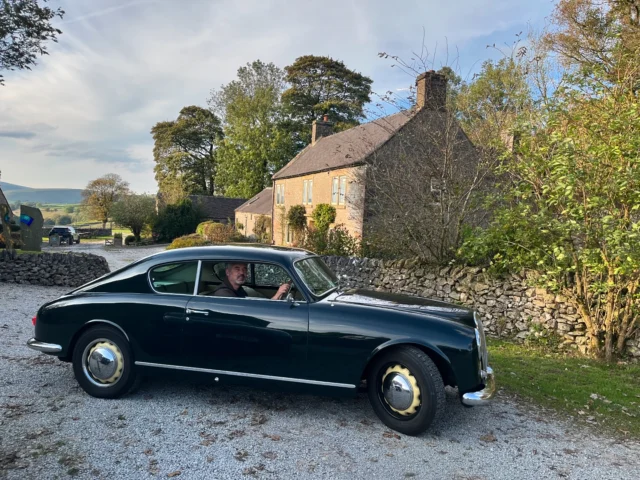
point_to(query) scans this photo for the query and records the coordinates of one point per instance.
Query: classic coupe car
(164, 314)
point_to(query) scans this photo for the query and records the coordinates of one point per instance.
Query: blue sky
(121, 66)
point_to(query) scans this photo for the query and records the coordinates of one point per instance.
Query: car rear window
(176, 278)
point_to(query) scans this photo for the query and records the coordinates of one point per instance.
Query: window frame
(335, 190)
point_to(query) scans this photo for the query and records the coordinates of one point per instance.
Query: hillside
(41, 195)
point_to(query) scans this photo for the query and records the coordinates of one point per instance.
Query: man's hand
(282, 291)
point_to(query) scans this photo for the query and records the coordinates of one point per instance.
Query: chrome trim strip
(112, 324)
(43, 347)
(195, 288)
(483, 396)
(242, 374)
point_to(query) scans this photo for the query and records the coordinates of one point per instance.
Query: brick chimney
(431, 91)
(321, 129)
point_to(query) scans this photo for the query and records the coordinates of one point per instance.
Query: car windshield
(318, 278)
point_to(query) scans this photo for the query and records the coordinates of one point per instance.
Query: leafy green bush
(117, 235)
(129, 239)
(336, 241)
(219, 232)
(201, 226)
(176, 221)
(64, 220)
(193, 240)
(262, 229)
(296, 217)
(324, 215)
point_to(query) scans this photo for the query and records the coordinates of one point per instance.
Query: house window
(437, 186)
(339, 190)
(289, 234)
(279, 194)
(343, 190)
(307, 192)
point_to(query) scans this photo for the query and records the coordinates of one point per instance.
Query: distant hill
(41, 195)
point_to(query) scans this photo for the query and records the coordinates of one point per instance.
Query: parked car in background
(163, 315)
(67, 234)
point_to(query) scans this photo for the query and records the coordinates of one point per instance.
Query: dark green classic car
(163, 314)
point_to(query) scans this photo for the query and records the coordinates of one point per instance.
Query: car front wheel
(103, 363)
(406, 390)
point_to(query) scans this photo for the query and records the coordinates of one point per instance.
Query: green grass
(606, 395)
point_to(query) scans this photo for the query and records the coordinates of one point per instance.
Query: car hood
(411, 303)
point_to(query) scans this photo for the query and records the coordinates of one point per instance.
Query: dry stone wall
(509, 307)
(60, 269)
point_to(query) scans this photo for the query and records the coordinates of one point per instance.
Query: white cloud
(87, 108)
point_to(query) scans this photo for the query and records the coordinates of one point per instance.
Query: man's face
(237, 273)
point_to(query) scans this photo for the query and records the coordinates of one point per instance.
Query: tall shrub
(176, 221)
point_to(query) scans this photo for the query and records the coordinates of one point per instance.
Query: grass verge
(606, 395)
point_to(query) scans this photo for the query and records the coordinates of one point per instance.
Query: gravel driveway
(49, 428)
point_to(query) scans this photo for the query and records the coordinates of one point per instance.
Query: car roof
(250, 252)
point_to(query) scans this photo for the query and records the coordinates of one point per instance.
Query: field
(78, 217)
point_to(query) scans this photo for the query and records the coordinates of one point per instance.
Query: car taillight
(33, 321)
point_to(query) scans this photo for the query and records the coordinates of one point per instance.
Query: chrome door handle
(198, 312)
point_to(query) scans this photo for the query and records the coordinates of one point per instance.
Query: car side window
(176, 278)
(268, 275)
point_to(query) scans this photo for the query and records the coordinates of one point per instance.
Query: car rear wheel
(406, 390)
(103, 363)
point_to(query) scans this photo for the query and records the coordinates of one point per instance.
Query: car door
(252, 335)
(157, 319)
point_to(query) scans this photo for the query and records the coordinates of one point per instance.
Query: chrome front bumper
(483, 396)
(43, 347)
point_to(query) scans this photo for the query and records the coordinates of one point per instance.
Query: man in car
(236, 276)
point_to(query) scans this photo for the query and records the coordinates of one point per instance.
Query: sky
(121, 66)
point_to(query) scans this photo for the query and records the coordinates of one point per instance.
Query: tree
(570, 205)
(255, 145)
(177, 220)
(25, 27)
(598, 33)
(489, 106)
(100, 195)
(134, 212)
(323, 86)
(185, 153)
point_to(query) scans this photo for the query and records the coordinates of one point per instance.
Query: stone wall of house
(51, 269)
(509, 307)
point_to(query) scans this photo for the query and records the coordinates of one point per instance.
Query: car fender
(441, 360)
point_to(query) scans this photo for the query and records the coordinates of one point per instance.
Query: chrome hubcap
(397, 391)
(103, 364)
(400, 390)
